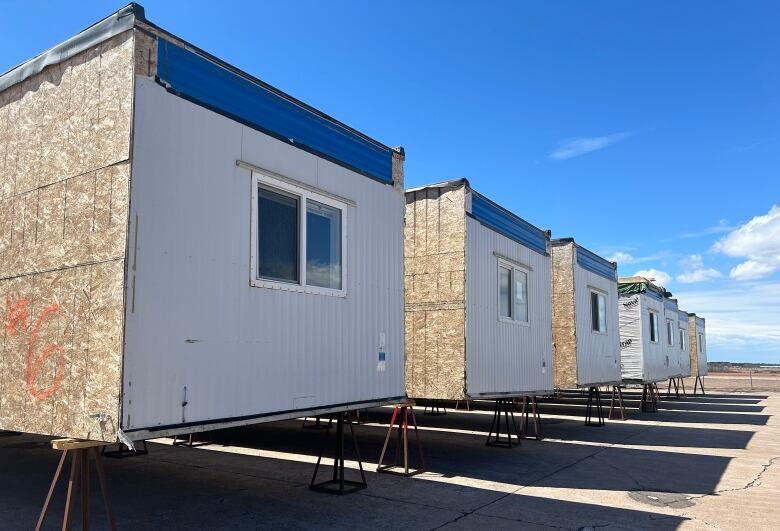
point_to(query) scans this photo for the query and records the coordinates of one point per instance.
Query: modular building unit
(643, 357)
(697, 345)
(183, 247)
(671, 338)
(685, 356)
(586, 337)
(477, 281)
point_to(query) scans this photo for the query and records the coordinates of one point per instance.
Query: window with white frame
(682, 339)
(653, 327)
(598, 312)
(701, 344)
(512, 292)
(298, 238)
(669, 332)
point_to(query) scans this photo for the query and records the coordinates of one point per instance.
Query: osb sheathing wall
(64, 179)
(693, 346)
(435, 315)
(563, 317)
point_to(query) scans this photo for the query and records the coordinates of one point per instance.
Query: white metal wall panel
(504, 357)
(194, 321)
(685, 355)
(702, 354)
(598, 354)
(655, 362)
(631, 330)
(673, 351)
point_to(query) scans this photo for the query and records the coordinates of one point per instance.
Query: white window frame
(650, 324)
(682, 332)
(600, 293)
(512, 267)
(303, 196)
(700, 342)
(669, 333)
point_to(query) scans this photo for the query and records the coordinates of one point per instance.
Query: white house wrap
(685, 356)
(477, 297)
(643, 356)
(697, 345)
(586, 337)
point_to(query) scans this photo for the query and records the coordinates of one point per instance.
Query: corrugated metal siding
(195, 77)
(192, 317)
(672, 351)
(598, 355)
(655, 364)
(504, 357)
(702, 355)
(509, 225)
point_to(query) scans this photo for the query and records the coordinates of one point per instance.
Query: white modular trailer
(586, 336)
(685, 357)
(697, 345)
(643, 356)
(478, 312)
(671, 338)
(229, 255)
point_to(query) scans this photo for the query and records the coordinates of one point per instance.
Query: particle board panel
(64, 181)
(434, 243)
(563, 317)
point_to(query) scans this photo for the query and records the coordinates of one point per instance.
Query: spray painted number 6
(17, 319)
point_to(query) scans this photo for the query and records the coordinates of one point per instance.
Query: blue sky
(648, 131)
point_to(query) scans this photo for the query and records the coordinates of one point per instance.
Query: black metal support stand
(594, 394)
(402, 414)
(338, 484)
(123, 451)
(435, 407)
(700, 383)
(673, 382)
(188, 440)
(467, 402)
(531, 407)
(505, 407)
(649, 402)
(617, 399)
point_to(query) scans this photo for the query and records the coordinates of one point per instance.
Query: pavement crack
(755, 482)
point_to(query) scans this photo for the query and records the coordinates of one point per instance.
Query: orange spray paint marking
(17, 320)
(33, 369)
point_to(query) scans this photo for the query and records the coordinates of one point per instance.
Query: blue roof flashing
(215, 86)
(507, 224)
(596, 264)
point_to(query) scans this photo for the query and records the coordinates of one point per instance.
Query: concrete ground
(708, 462)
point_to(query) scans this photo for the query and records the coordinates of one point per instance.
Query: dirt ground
(700, 462)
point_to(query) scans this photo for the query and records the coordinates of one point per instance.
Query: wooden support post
(79, 472)
(649, 400)
(617, 396)
(402, 412)
(699, 382)
(682, 385)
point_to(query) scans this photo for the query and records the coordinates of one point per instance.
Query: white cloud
(758, 240)
(662, 278)
(580, 146)
(621, 258)
(694, 270)
(722, 226)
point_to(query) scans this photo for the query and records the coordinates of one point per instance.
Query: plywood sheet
(64, 181)
(434, 246)
(563, 317)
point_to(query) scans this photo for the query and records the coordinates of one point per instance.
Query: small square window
(598, 312)
(512, 293)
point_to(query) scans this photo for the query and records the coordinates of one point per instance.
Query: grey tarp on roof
(114, 24)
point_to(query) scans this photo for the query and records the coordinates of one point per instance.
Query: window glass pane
(682, 339)
(521, 296)
(594, 312)
(277, 236)
(602, 313)
(504, 293)
(653, 327)
(323, 245)
(701, 347)
(669, 333)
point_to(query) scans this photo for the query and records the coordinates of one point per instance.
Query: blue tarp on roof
(205, 82)
(596, 264)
